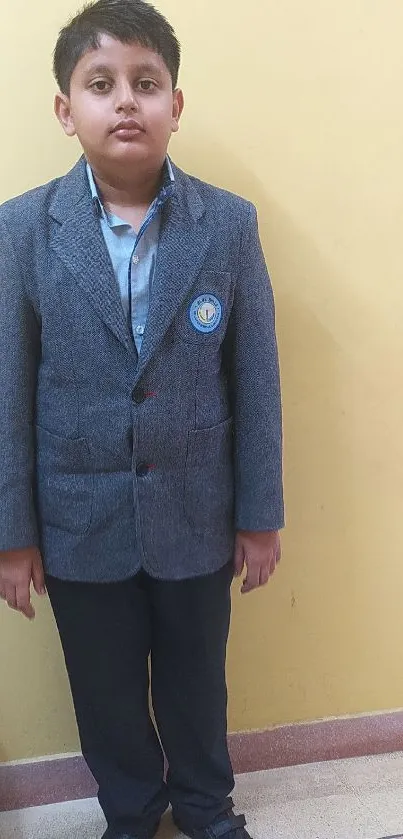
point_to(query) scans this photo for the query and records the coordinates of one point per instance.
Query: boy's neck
(127, 189)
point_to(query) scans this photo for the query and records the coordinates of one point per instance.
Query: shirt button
(142, 470)
(136, 260)
(139, 395)
(139, 330)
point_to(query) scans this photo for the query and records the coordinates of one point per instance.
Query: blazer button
(139, 395)
(142, 470)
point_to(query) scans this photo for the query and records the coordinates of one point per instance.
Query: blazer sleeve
(19, 355)
(253, 370)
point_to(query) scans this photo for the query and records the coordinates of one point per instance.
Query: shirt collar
(167, 188)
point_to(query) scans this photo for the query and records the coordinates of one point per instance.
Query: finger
(11, 596)
(251, 580)
(239, 558)
(278, 557)
(38, 578)
(264, 575)
(273, 563)
(24, 604)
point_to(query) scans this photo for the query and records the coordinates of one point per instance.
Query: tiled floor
(349, 799)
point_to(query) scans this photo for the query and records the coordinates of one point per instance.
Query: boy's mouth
(127, 127)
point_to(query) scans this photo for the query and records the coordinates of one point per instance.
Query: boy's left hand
(260, 552)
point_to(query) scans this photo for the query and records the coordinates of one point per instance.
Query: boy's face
(121, 106)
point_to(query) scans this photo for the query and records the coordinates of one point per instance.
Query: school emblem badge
(206, 313)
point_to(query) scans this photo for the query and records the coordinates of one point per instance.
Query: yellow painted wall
(298, 106)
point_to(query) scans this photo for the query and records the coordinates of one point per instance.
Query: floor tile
(388, 807)
(355, 799)
(335, 817)
(378, 772)
(294, 783)
(71, 820)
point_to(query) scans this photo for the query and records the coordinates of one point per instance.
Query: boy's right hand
(17, 570)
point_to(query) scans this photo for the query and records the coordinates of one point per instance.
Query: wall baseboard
(67, 778)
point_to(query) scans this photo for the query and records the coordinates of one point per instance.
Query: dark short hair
(129, 21)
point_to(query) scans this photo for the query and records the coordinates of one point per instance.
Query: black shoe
(109, 835)
(225, 826)
(113, 834)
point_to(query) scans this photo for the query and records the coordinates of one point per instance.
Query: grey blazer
(108, 461)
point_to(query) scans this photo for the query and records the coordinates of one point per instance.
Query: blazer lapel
(79, 243)
(182, 250)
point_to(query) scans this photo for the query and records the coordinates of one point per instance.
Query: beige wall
(298, 106)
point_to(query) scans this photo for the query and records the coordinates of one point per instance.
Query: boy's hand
(261, 552)
(17, 570)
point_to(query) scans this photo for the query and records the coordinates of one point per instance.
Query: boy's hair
(129, 21)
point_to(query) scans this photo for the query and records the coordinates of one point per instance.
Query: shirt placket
(137, 324)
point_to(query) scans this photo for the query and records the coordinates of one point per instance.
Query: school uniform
(141, 430)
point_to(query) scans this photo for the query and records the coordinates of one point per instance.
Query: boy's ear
(178, 106)
(62, 110)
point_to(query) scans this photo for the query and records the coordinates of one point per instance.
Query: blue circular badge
(206, 313)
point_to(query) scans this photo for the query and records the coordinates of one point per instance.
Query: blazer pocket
(209, 477)
(64, 482)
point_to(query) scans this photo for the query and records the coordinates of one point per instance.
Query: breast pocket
(203, 319)
(209, 477)
(64, 482)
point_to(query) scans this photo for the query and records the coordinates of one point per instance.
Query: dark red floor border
(66, 779)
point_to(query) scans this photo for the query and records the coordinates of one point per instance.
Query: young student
(140, 443)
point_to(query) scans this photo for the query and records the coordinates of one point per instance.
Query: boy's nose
(126, 99)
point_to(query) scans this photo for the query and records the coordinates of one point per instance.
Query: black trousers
(108, 632)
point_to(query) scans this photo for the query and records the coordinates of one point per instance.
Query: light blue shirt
(134, 255)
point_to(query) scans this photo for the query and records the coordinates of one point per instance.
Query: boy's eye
(101, 86)
(147, 85)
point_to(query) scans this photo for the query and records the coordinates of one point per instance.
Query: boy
(141, 443)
